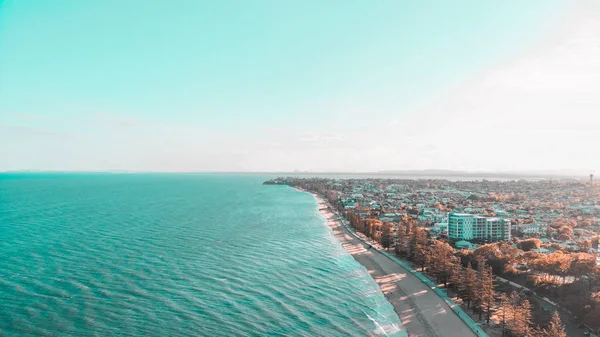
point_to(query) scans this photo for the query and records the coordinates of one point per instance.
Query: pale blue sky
(249, 85)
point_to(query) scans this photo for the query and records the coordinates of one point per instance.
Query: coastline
(421, 311)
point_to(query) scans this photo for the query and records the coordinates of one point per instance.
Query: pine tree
(523, 323)
(555, 328)
(412, 239)
(512, 312)
(481, 262)
(386, 235)
(419, 251)
(504, 311)
(456, 278)
(486, 291)
(402, 238)
(404, 235)
(441, 260)
(479, 285)
(469, 285)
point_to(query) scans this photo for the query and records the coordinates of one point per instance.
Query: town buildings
(545, 209)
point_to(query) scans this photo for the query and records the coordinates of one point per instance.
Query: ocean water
(176, 255)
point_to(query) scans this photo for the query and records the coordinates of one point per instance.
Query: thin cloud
(320, 138)
(115, 120)
(12, 129)
(29, 117)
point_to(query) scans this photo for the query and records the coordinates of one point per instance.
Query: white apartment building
(463, 226)
(532, 228)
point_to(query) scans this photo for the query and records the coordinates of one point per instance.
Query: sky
(339, 85)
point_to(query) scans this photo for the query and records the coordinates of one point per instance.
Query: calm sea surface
(175, 255)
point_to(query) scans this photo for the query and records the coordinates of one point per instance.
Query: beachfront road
(423, 313)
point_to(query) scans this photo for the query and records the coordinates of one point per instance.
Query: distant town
(539, 238)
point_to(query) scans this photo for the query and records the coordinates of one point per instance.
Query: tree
(419, 251)
(401, 239)
(405, 236)
(456, 278)
(595, 240)
(529, 257)
(483, 292)
(486, 290)
(555, 328)
(512, 312)
(465, 256)
(581, 264)
(412, 236)
(468, 286)
(522, 324)
(373, 229)
(386, 235)
(564, 237)
(585, 245)
(499, 256)
(361, 224)
(566, 230)
(441, 260)
(529, 244)
(353, 218)
(553, 266)
(504, 311)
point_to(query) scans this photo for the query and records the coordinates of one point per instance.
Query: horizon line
(564, 173)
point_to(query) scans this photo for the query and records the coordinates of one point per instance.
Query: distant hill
(499, 174)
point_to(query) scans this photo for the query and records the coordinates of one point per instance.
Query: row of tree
(514, 312)
(469, 275)
(558, 265)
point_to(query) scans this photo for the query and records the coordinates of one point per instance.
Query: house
(465, 245)
(440, 226)
(500, 212)
(541, 251)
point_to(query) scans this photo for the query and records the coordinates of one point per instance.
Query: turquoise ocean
(176, 255)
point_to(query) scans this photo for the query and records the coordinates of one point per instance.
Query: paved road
(422, 312)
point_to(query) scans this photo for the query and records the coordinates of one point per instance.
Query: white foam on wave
(386, 329)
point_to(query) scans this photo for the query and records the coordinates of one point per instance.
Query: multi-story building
(463, 226)
(532, 228)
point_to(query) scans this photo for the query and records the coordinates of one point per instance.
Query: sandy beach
(423, 313)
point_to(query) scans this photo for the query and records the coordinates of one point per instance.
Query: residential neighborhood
(563, 214)
(540, 235)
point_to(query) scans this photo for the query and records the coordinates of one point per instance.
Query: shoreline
(421, 311)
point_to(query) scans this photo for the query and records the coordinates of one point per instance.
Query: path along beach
(422, 312)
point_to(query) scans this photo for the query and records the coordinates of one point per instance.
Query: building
(532, 228)
(432, 215)
(465, 245)
(440, 229)
(542, 251)
(500, 212)
(440, 226)
(463, 226)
